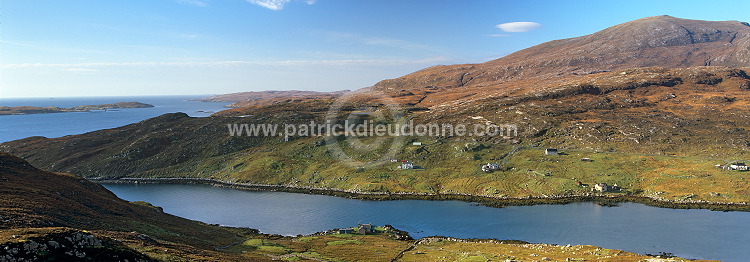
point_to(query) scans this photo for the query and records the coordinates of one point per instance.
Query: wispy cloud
(517, 27)
(198, 3)
(276, 5)
(392, 42)
(82, 70)
(15, 43)
(379, 41)
(343, 62)
(270, 4)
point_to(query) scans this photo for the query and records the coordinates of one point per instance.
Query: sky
(53, 48)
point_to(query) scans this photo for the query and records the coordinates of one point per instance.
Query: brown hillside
(30, 197)
(701, 111)
(662, 41)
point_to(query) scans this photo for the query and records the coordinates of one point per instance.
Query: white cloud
(81, 67)
(517, 27)
(276, 5)
(81, 70)
(379, 41)
(270, 4)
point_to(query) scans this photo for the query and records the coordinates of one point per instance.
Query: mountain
(634, 98)
(661, 41)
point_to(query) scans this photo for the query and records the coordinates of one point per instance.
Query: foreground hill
(36, 198)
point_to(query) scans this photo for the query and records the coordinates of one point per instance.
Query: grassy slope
(654, 132)
(526, 172)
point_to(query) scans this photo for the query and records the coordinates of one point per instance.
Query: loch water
(689, 233)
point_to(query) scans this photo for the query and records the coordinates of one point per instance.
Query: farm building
(739, 167)
(490, 167)
(734, 166)
(406, 165)
(364, 229)
(601, 187)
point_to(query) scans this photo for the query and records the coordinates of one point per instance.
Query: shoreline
(498, 202)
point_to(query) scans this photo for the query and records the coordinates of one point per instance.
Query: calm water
(699, 234)
(62, 124)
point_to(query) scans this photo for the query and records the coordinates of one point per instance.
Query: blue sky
(53, 48)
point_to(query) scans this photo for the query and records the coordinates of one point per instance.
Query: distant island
(27, 110)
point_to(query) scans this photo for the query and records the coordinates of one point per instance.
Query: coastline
(498, 202)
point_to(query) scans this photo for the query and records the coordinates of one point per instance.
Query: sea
(71, 123)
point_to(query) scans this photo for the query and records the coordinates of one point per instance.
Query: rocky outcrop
(68, 245)
(397, 234)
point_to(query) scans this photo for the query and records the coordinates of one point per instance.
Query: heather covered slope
(661, 41)
(701, 111)
(30, 197)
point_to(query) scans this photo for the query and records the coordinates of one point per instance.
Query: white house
(490, 167)
(738, 166)
(601, 187)
(406, 165)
